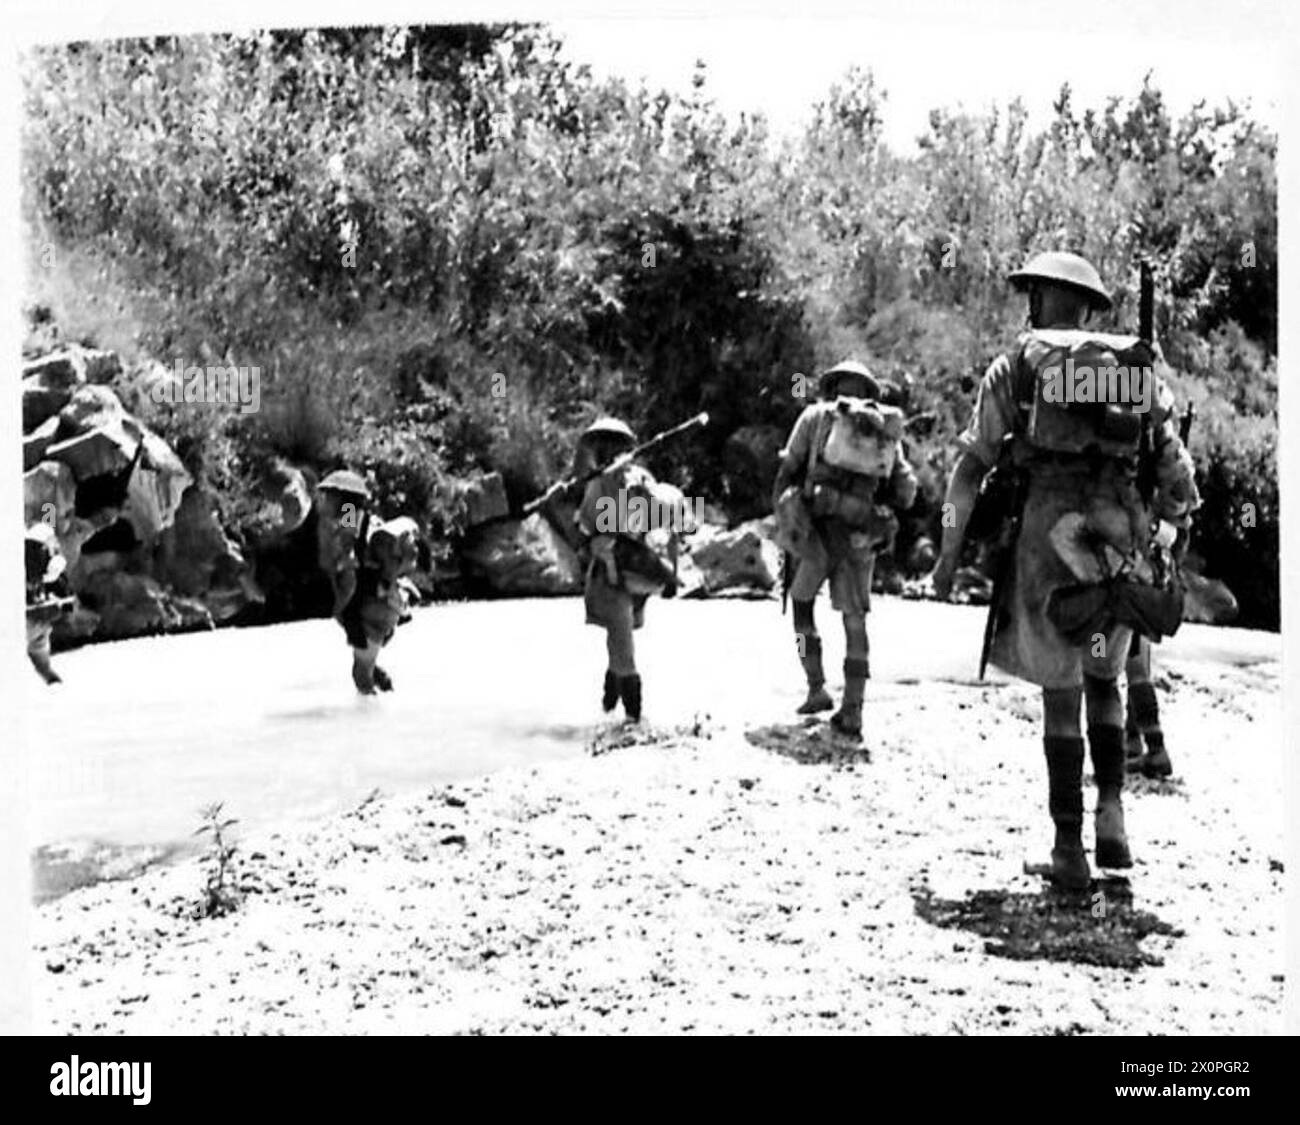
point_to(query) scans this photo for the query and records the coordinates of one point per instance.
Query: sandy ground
(729, 873)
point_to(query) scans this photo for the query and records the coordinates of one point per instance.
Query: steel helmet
(1066, 269)
(347, 482)
(609, 427)
(831, 379)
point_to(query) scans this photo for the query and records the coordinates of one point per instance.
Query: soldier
(622, 571)
(47, 595)
(1086, 521)
(841, 471)
(368, 563)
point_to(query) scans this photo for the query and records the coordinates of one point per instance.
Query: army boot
(609, 696)
(1065, 803)
(847, 721)
(1132, 745)
(1107, 746)
(630, 689)
(1144, 715)
(810, 656)
(818, 697)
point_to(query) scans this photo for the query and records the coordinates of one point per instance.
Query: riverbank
(728, 875)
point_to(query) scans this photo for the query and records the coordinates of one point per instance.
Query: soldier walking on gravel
(1102, 485)
(842, 471)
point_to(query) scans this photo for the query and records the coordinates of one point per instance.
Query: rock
(49, 493)
(197, 560)
(129, 605)
(156, 489)
(744, 557)
(1209, 601)
(38, 441)
(484, 499)
(74, 628)
(100, 366)
(97, 453)
(41, 403)
(90, 408)
(60, 371)
(522, 557)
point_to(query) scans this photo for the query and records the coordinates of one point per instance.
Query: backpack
(863, 437)
(1085, 392)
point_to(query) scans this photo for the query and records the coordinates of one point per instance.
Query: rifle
(1003, 549)
(1146, 479)
(630, 455)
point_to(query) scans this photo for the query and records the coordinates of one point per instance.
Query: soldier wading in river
(622, 569)
(1101, 489)
(842, 470)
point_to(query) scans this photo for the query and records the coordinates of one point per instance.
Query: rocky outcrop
(741, 561)
(145, 548)
(521, 558)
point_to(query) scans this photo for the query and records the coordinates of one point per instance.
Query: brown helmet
(831, 379)
(1069, 270)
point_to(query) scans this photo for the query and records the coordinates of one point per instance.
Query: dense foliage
(446, 248)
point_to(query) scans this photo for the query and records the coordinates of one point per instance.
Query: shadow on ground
(626, 734)
(1100, 926)
(811, 743)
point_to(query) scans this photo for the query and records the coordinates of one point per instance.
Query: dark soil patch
(624, 735)
(811, 743)
(1099, 926)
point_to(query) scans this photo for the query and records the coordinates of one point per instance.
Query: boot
(847, 721)
(1144, 713)
(818, 697)
(1065, 803)
(1155, 762)
(609, 697)
(1132, 745)
(630, 689)
(1107, 746)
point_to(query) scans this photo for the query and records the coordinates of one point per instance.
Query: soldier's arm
(1176, 496)
(902, 482)
(794, 457)
(992, 419)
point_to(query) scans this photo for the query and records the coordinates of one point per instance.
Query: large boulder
(484, 499)
(744, 558)
(129, 605)
(197, 560)
(522, 558)
(38, 441)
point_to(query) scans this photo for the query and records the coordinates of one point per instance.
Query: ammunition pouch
(1080, 611)
(857, 513)
(641, 570)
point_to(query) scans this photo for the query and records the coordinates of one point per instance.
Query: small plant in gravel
(221, 894)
